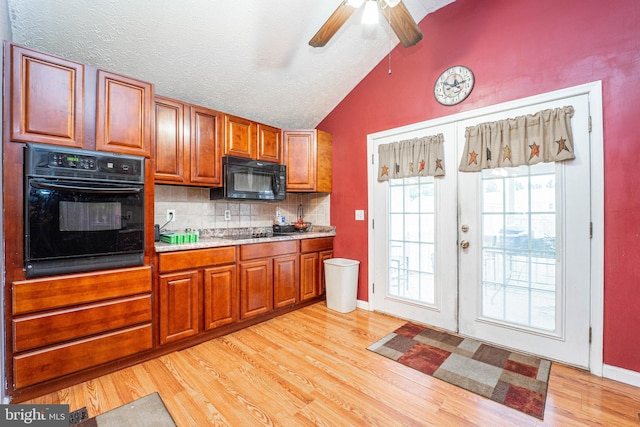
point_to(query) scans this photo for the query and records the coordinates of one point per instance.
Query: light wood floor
(311, 367)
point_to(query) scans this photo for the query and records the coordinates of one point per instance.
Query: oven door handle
(91, 190)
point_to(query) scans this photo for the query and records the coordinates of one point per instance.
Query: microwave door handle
(91, 190)
(275, 183)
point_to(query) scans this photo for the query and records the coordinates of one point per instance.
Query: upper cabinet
(307, 154)
(239, 137)
(245, 138)
(46, 98)
(269, 143)
(123, 114)
(206, 163)
(53, 100)
(169, 130)
(187, 144)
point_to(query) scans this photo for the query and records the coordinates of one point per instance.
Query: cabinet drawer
(268, 250)
(65, 291)
(315, 245)
(64, 325)
(184, 260)
(43, 365)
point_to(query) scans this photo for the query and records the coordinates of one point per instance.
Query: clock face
(453, 85)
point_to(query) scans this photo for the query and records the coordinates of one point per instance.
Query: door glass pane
(518, 245)
(412, 239)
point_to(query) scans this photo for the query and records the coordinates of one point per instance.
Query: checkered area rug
(513, 379)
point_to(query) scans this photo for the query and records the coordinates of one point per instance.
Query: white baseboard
(623, 375)
(362, 304)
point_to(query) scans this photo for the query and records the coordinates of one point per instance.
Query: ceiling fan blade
(333, 24)
(403, 25)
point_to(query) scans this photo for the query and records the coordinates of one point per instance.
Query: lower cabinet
(178, 294)
(313, 252)
(220, 296)
(197, 291)
(256, 288)
(65, 324)
(268, 277)
(285, 281)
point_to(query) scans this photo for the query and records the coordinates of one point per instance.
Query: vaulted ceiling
(245, 57)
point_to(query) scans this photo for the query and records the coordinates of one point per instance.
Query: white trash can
(341, 280)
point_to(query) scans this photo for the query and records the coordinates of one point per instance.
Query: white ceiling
(245, 57)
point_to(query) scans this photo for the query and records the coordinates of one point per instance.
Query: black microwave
(247, 179)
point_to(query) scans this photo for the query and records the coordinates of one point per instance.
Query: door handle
(464, 244)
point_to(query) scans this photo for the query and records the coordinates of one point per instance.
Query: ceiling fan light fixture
(370, 14)
(355, 3)
(392, 3)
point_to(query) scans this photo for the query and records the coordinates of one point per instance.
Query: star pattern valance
(525, 140)
(422, 156)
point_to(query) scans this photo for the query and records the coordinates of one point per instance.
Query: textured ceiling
(245, 57)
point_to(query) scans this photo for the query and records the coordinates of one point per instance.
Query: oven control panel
(64, 160)
(51, 161)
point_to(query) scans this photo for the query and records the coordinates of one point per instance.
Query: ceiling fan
(395, 11)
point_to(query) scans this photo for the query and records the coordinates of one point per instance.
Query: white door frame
(594, 90)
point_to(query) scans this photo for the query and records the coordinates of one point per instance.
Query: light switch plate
(359, 215)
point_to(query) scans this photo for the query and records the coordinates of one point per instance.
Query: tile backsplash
(194, 209)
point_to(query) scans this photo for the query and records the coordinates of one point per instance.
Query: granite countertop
(214, 242)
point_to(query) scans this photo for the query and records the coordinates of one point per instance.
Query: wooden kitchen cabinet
(245, 138)
(269, 143)
(123, 114)
(205, 147)
(285, 278)
(220, 296)
(188, 144)
(256, 287)
(66, 324)
(322, 257)
(53, 101)
(169, 132)
(194, 282)
(268, 277)
(178, 306)
(46, 97)
(307, 155)
(308, 275)
(313, 252)
(239, 137)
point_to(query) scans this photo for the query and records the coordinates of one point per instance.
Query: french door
(416, 262)
(502, 255)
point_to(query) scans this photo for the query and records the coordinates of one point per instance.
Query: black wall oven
(84, 210)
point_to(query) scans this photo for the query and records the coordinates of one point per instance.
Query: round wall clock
(453, 85)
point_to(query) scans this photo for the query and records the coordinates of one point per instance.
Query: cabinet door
(169, 137)
(256, 287)
(285, 279)
(299, 156)
(123, 115)
(178, 306)
(239, 137)
(308, 275)
(220, 296)
(269, 143)
(206, 160)
(324, 255)
(47, 98)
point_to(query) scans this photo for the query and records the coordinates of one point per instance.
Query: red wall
(515, 49)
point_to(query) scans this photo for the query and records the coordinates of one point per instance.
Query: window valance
(525, 140)
(422, 156)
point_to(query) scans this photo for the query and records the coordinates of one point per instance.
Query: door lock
(464, 228)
